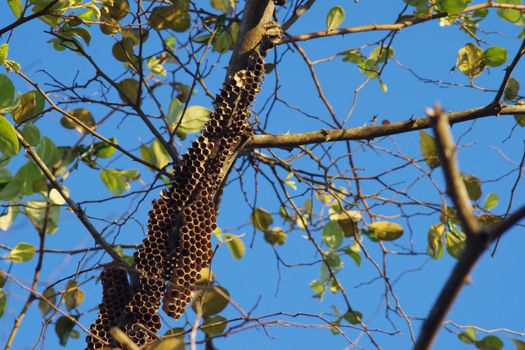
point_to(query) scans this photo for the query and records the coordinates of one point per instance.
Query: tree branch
(393, 26)
(374, 131)
(74, 206)
(24, 19)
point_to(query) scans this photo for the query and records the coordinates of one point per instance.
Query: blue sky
(491, 300)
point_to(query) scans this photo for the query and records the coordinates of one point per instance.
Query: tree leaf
(22, 252)
(223, 5)
(63, 328)
(261, 219)
(471, 60)
(347, 220)
(353, 317)
(31, 133)
(495, 56)
(39, 211)
(490, 342)
(9, 145)
(491, 201)
(520, 119)
(176, 16)
(385, 230)
(334, 17)
(469, 336)
(519, 344)
(210, 300)
(48, 152)
(73, 295)
(51, 296)
(511, 90)
(333, 235)
(214, 325)
(427, 146)
(129, 90)
(453, 7)
(114, 181)
(455, 245)
(31, 104)
(16, 7)
(436, 247)
(4, 51)
(235, 245)
(510, 15)
(3, 301)
(12, 190)
(7, 219)
(275, 236)
(473, 185)
(353, 252)
(174, 112)
(7, 91)
(194, 119)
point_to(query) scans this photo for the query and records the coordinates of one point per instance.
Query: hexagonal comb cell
(177, 246)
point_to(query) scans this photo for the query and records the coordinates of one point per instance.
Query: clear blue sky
(492, 300)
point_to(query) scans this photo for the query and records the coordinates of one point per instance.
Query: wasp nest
(181, 221)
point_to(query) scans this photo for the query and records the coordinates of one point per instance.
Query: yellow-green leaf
(115, 181)
(427, 145)
(235, 245)
(386, 230)
(471, 61)
(210, 301)
(334, 17)
(436, 247)
(31, 104)
(495, 56)
(332, 235)
(275, 236)
(176, 16)
(9, 145)
(261, 219)
(51, 296)
(63, 328)
(22, 252)
(214, 325)
(129, 90)
(473, 186)
(511, 90)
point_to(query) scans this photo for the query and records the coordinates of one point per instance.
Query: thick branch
(374, 131)
(447, 154)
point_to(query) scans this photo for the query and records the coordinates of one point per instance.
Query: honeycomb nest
(177, 245)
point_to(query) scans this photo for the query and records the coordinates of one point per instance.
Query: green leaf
(347, 220)
(7, 91)
(176, 16)
(16, 7)
(64, 328)
(511, 90)
(22, 252)
(31, 133)
(31, 104)
(471, 60)
(129, 91)
(436, 247)
(3, 301)
(333, 235)
(455, 244)
(261, 219)
(490, 342)
(275, 236)
(353, 56)
(427, 146)
(12, 189)
(156, 154)
(385, 230)
(495, 56)
(48, 152)
(225, 40)
(174, 112)
(353, 252)
(453, 7)
(123, 50)
(210, 300)
(334, 17)
(510, 15)
(194, 119)
(491, 201)
(82, 115)
(319, 287)
(115, 181)
(9, 145)
(28, 174)
(73, 295)
(520, 119)
(334, 261)
(223, 5)
(519, 344)
(353, 317)
(4, 50)
(473, 186)
(235, 245)
(51, 296)
(214, 325)
(105, 150)
(41, 214)
(469, 336)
